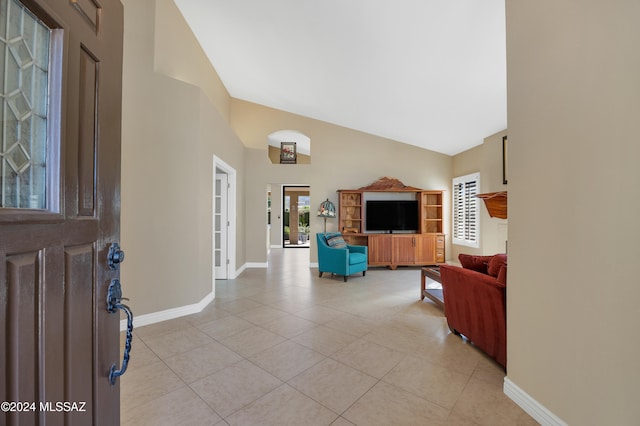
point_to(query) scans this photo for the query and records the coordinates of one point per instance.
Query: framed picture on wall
(288, 153)
(504, 160)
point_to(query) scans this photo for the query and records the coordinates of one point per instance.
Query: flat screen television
(391, 215)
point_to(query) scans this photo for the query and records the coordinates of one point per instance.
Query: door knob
(115, 256)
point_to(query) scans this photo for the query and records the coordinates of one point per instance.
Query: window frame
(470, 205)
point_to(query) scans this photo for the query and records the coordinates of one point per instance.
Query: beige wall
(487, 160)
(573, 108)
(178, 55)
(171, 130)
(342, 159)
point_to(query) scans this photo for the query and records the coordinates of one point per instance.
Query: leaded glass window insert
(25, 44)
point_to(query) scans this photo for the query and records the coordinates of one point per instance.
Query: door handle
(114, 299)
(115, 256)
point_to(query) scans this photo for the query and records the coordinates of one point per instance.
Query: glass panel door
(221, 222)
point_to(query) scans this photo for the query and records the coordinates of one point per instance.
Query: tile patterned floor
(281, 346)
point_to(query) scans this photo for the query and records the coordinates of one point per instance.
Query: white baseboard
(266, 265)
(536, 410)
(239, 271)
(139, 321)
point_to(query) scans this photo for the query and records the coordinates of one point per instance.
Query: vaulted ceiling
(430, 73)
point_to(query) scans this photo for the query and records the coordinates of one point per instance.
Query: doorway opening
(296, 207)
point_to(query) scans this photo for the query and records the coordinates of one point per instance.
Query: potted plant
(303, 233)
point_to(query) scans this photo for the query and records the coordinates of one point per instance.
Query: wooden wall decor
(496, 203)
(389, 184)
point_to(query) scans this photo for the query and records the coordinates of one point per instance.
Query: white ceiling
(430, 73)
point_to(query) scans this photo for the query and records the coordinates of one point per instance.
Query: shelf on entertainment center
(350, 212)
(431, 211)
(356, 239)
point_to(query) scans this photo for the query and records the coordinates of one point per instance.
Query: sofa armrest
(475, 305)
(470, 287)
(333, 255)
(468, 277)
(357, 249)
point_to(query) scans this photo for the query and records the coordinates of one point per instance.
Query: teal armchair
(337, 257)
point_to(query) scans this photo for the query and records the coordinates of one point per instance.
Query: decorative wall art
(288, 153)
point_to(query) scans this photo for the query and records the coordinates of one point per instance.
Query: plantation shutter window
(465, 210)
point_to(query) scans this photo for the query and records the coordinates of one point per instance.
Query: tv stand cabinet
(425, 247)
(395, 250)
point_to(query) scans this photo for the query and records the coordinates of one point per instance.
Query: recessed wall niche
(289, 147)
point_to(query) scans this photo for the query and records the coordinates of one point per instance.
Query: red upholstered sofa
(475, 302)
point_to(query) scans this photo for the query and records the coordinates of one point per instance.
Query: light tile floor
(281, 346)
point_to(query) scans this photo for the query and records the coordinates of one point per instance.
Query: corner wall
(573, 108)
(171, 130)
(486, 159)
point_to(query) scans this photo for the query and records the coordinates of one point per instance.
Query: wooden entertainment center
(424, 247)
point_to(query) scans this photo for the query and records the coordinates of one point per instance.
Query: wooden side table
(434, 294)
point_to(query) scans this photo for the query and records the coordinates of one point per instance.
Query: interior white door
(220, 237)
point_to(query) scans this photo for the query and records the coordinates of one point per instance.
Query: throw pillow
(496, 263)
(475, 263)
(336, 240)
(329, 235)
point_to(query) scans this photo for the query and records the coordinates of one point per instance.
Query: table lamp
(326, 209)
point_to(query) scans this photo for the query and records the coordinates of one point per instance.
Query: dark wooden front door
(60, 117)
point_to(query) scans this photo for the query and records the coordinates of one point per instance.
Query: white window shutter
(465, 210)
